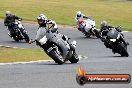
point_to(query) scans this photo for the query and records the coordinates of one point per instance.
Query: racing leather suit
(41, 31)
(80, 20)
(9, 22)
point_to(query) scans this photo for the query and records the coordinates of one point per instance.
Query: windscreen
(113, 33)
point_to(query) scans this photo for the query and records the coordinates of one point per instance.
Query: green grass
(21, 55)
(116, 12)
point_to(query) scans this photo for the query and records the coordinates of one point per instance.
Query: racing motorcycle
(19, 32)
(88, 28)
(115, 41)
(58, 48)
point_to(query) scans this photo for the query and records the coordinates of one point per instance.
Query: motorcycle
(19, 32)
(58, 48)
(88, 28)
(115, 41)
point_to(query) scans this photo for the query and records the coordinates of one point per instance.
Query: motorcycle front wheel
(87, 35)
(96, 32)
(26, 37)
(15, 38)
(56, 56)
(74, 58)
(123, 51)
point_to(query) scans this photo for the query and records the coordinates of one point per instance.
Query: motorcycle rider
(79, 18)
(9, 21)
(47, 37)
(43, 21)
(105, 28)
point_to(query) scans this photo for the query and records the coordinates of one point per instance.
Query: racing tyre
(123, 51)
(26, 37)
(97, 34)
(86, 35)
(74, 58)
(15, 38)
(56, 57)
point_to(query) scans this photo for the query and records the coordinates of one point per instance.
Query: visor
(78, 15)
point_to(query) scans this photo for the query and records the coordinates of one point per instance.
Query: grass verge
(116, 12)
(8, 55)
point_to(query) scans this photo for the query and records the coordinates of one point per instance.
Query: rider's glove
(30, 41)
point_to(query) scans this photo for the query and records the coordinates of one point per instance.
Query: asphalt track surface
(49, 75)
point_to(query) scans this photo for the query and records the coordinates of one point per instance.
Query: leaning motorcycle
(115, 41)
(19, 32)
(88, 28)
(58, 48)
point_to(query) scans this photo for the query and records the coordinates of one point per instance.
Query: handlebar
(49, 27)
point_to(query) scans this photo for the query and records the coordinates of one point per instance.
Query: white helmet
(41, 17)
(8, 13)
(79, 14)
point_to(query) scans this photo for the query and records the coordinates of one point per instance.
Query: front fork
(96, 32)
(72, 49)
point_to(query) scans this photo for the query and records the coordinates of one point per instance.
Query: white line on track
(81, 57)
(30, 62)
(125, 31)
(10, 47)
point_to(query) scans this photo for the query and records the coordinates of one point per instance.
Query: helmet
(41, 17)
(104, 23)
(79, 14)
(8, 13)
